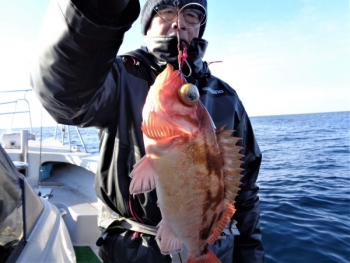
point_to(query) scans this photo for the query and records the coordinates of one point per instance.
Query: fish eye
(189, 94)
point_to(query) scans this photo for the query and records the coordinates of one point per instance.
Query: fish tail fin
(207, 258)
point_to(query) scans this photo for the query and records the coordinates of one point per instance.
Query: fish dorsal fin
(232, 162)
(143, 177)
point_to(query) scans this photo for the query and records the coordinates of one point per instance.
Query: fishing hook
(182, 57)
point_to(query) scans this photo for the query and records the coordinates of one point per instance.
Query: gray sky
(281, 56)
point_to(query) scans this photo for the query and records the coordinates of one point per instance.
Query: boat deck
(71, 188)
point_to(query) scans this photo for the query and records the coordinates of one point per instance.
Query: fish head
(172, 107)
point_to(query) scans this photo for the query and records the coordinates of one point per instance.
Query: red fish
(194, 167)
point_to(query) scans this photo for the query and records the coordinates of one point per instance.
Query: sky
(281, 56)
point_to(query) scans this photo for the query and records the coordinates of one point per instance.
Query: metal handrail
(63, 130)
(14, 112)
(30, 119)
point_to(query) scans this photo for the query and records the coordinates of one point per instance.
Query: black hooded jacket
(80, 82)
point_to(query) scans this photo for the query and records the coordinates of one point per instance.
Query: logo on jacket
(213, 91)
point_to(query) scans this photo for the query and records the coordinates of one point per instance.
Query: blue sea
(304, 184)
(305, 187)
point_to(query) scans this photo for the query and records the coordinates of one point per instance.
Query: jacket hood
(164, 49)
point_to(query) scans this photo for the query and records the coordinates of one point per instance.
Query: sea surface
(305, 187)
(304, 184)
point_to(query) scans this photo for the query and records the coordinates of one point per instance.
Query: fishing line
(182, 57)
(40, 149)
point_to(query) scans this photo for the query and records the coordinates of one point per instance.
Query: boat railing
(15, 102)
(63, 132)
(28, 111)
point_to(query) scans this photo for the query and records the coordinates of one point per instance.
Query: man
(80, 82)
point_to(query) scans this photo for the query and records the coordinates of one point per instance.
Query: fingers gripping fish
(194, 167)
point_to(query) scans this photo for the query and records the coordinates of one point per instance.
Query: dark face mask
(164, 49)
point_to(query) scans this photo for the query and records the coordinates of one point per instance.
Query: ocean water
(305, 187)
(304, 184)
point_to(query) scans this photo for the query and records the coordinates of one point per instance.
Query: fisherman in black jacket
(80, 81)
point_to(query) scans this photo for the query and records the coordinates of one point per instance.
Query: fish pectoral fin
(225, 217)
(143, 177)
(169, 242)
